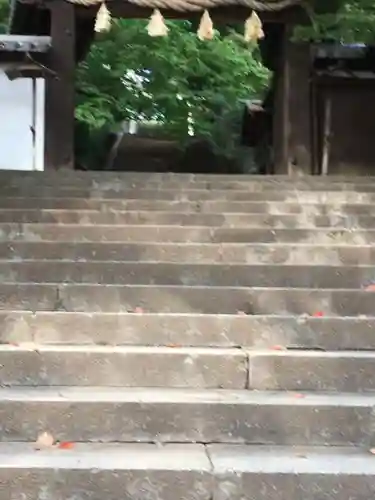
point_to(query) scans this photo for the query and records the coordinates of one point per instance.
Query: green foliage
(4, 13)
(178, 81)
(354, 21)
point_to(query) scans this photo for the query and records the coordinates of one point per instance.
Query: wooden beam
(59, 103)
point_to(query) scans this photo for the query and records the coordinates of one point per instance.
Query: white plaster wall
(17, 151)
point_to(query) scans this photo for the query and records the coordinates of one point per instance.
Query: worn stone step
(186, 415)
(208, 207)
(163, 218)
(197, 368)
(203, 253)
(185, 274)
(292, 473)
(291, 195)
(76, 175)
(185, 299)
(349, 371)
(123, 183)
(184, 234)
(33, 365)
(192, 472)
(154, 329)
(118, 180)
(106, 472)
(187, 471)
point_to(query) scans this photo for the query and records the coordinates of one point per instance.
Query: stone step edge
(257, 318)
(182, 245)
(211, 459)
(119, 185)
(181, 350)
(134, 177)
(58, 285)
(19, 262)
(186, 315)
(140, 315)
(183, 264)
(296, 217)
(334, 205)
(184, 214)
(20, 226)
(146, 174)
(183, 396)
(195, 187)
(183, 315)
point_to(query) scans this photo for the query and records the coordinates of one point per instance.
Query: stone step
(163, 218)
(198, 195)
(196, 368)
(192, 207)
(185, 299)
(177, 330)
(121, 184)
(186, 367)
(184, 234)
(106, 472)
(116, 414)
(292, 473)
(185, 274)
(115, 180)
(206, 253)
(187, 471)
(349, 371)
(196, 330)
(76, 175)
(191, 472)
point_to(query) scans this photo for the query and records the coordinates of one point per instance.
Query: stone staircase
(187, 337)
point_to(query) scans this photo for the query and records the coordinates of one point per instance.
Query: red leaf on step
(138, 310)
(278, 348)
(370, 288)
(297, 395)
(318, 314)
(65, 445)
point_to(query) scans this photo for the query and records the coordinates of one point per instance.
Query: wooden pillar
(293, 117)
(60, 90)
(300, 144)
(280, 109)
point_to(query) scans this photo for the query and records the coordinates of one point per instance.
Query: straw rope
(199, 5)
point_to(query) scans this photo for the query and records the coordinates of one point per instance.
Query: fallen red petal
(278, 348)
(370, 288)
(138, 310)
(298, 395)
(66, 445)
(318, 314)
